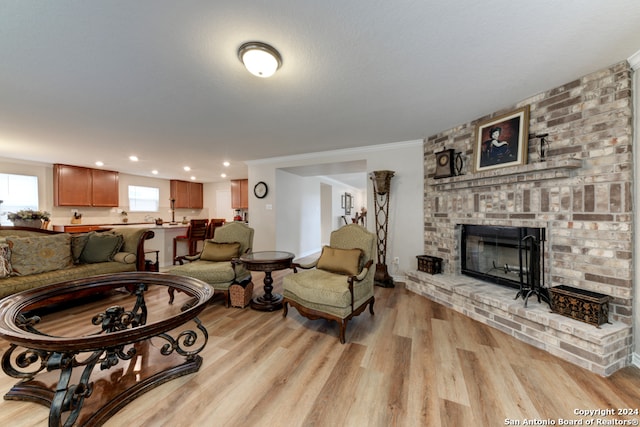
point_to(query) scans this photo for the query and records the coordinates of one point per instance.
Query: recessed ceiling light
(193, 178)
(226, 164)
(223, 175)
(187, 168)
(133, 158)
(155, 172)
(99, 163)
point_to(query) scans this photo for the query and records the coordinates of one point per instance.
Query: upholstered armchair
(216, 264)
(339, 285)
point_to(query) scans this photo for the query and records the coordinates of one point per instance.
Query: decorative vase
(31, 223)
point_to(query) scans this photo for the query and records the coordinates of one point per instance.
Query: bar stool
(213, 224)
(196, 232)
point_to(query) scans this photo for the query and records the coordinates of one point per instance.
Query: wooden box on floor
(239, 295)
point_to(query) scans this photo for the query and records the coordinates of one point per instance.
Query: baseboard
(398, 278)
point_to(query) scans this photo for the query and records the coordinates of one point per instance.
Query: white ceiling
(82, 81)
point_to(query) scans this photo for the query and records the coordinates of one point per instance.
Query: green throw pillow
(213, 251)
(340, 261)
(39, 254)
(101, 247)
(78, 242)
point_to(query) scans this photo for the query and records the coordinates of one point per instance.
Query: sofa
(31, 257)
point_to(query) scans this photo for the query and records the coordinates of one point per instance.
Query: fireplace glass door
(510, 256)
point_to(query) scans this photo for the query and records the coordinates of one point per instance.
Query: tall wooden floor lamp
(381, 188)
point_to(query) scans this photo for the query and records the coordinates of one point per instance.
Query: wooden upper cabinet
(180, 192)
(71, 186)
(196, 198)
(105, 188)
(239, 194)
(79, 186)
(188, 195)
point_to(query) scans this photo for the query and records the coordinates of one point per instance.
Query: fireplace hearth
(508, 256)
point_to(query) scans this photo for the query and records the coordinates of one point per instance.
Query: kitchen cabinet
(239, 194)
(188, 195)
(79, 186)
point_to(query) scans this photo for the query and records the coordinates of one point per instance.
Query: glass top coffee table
(267, 262)
(87, 367)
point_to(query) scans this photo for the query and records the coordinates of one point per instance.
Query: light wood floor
(415, 363)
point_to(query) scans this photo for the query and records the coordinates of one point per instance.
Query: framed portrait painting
(502, 141)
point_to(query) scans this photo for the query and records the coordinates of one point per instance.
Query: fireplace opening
(509, 256)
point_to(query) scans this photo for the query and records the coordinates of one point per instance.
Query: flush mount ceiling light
(260, 59)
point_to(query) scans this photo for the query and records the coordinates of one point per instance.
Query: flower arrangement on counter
(27, 214)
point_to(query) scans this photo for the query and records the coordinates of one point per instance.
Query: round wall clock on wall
(260, 190)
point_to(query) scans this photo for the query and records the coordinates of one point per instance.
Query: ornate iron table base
(112, 389)
(86, 378)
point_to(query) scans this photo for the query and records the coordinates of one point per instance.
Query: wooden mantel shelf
(551, 169)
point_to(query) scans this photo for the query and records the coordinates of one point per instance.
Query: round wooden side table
(267, 262)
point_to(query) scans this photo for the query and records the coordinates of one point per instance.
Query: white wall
(326, 212)
(298, 215)
(305, 204)
(276, 217)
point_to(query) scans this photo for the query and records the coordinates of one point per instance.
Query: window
(17, 192)
(144, 199)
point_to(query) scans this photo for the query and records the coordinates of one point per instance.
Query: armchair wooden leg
(171, 294)
(343, 330)
(285, 309)
(373, 299)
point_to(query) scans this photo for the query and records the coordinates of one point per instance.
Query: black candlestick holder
(173, 212)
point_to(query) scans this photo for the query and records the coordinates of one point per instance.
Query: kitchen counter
(81, 228)
(150, 225)
(163, 242)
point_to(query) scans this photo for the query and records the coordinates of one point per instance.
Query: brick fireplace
(581, 196)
